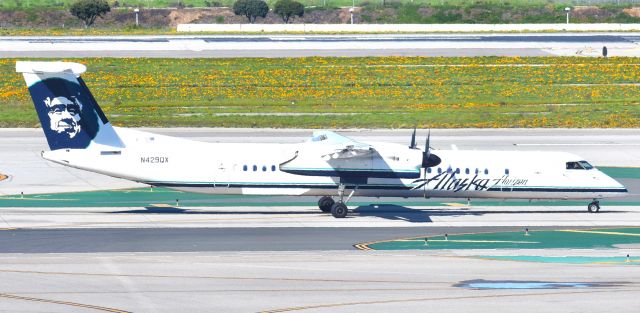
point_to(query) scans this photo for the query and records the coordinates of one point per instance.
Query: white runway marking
(576, 144)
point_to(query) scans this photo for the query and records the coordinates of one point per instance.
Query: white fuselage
(255, 169)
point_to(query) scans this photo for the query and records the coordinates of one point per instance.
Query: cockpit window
(579, 165)
(319, 137)
(574, 166)
(586, 165)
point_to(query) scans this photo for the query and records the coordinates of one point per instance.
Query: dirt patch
(589, 12)
(185, 16)
(311, 16)
(635, 11)
(427, 12)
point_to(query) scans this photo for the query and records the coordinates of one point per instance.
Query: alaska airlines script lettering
(449, 181)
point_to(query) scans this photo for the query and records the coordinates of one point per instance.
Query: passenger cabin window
(273, 168)
(244, 168)
(506, 171)
(428, 170)
(486, 171)
(439, 170)
(466, 171)
(255, 168)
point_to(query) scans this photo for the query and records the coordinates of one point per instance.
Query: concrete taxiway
(230, 46)
(330, 281)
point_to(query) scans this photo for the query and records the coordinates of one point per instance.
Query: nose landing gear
(594, 206)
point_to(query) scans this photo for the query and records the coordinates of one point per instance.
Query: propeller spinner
(428, 159)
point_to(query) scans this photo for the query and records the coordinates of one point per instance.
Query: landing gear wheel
(339, 210)
(594, 207)
(325, 203)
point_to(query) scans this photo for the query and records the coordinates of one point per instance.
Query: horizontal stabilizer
(50, 67)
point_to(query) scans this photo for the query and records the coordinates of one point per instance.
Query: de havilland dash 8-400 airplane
(328, 165)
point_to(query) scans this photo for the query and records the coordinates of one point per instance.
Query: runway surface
(230, 46)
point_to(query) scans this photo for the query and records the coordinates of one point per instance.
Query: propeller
(428, 159)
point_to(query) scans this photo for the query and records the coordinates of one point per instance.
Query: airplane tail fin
(68, 112)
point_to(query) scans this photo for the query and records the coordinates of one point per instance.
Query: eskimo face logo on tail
(64, 115)
(66, 111)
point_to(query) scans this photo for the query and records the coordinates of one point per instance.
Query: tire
(593, 207)
(325, 203)
(339, 210)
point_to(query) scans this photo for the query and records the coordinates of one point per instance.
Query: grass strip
(329, 92)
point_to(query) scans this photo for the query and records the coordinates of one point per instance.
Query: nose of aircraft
(611, 185)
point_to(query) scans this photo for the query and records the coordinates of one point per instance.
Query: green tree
(288, 9)
(89, 10)
(251, 9)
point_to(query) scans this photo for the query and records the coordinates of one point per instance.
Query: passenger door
(221, 176)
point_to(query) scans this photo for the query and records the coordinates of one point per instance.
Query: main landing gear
(594, 206)
(338, 209)
(325, 203)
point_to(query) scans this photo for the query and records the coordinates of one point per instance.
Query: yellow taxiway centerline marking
(446, 298)
(599, 232)
(362, 247)
(471, 241)
(161, 205)
(616, 262)
(37, 199)
(68, 303)
(455, 204)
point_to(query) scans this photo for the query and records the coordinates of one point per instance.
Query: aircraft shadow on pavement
(403, 213)
(384, 211)
(422, 215)
(177, 210)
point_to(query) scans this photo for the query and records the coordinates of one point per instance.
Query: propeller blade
(427, 147)
(428, 159)
(413, 139)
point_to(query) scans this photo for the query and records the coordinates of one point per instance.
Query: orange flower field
(352, 92)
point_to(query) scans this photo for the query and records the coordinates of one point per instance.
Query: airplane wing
(340, 147)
